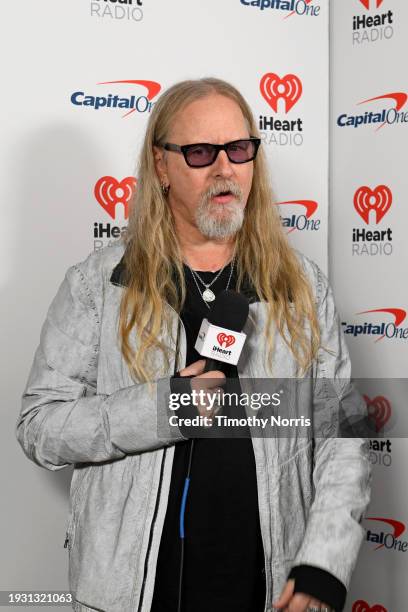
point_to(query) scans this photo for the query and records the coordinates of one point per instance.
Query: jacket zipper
(151, 533)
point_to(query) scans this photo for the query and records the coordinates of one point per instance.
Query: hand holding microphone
(220, 340)
(209, 382)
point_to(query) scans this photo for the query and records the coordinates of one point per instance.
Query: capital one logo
(109, 192)
(305, 9)
(363, 606)
(385, 539)
(288, 88)
(378, 200)
(225, 340)
(141, 103)
(378, 410)
(366, 3)
(300, 221)
(396, 115)
(382, 329)
(399, 317)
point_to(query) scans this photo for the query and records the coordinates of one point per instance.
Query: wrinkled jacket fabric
(81, 407)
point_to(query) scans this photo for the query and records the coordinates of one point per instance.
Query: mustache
(221, 187)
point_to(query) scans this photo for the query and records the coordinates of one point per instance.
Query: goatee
(220, 221)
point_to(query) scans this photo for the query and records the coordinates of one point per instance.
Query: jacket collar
(118, 274)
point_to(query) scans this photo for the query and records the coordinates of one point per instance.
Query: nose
(222, 167)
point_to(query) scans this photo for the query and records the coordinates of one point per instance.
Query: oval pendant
(208, 295)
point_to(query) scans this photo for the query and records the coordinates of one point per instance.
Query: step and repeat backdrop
(83, 77)
(368, 252)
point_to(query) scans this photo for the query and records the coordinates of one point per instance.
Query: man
(124, 323)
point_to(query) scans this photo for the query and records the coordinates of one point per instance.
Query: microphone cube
(219, 343)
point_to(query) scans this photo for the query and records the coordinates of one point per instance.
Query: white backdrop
(68, 168)
(369, 191)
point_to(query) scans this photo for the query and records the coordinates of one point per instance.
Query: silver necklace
(208, 295)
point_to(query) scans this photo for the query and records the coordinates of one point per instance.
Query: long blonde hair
(153, 260)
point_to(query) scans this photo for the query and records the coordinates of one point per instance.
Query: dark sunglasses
(204, 154)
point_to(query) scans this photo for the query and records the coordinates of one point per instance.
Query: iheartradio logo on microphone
(372, 205)
(218, 343)
(281, 94)
(225, 340)
(112, 196)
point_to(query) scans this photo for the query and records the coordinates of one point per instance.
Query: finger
(194, 369)
(212, 395)
(314, 603)
(286, 595)
(212, 401)
(300, 602)
(216, 374)
(207, 383)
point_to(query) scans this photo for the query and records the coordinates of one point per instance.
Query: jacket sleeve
(63, 420)
(342, 471)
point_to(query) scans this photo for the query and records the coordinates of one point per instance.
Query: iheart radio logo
(378, 200)
(288, 88)
(363, 606)
(225, 340)
(366, 3)
(379, 410)
(109, 192)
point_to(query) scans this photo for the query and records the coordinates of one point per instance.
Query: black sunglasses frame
(168, 146)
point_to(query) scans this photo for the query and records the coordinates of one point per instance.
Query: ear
(160, 164)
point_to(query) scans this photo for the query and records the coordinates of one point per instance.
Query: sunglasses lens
(241, 151)
(200, 155)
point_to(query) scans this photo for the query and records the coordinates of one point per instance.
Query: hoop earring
(165, 189)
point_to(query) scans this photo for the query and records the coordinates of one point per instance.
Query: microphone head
(230, 310)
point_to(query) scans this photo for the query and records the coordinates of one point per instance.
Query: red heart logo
(273, 88)
(379, 200)
(379, 410)
(366, 3)
(363, 606)
(225, 340)
(109, 192)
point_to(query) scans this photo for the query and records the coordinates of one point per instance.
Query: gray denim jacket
(81, 407)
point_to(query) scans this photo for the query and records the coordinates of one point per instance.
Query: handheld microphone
(220, 338)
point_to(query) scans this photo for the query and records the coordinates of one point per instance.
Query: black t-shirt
(223, 568)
